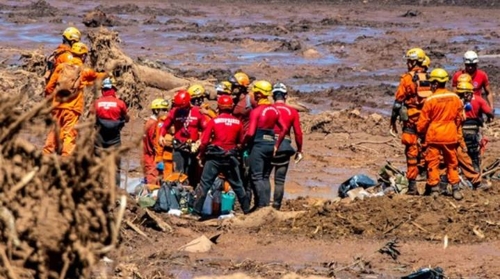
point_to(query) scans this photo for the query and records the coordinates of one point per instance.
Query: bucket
(227, 202)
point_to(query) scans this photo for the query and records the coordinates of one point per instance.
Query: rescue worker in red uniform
(465, 90)
(479, 78)
(440, 125)
(475, 107)
(63, 53)
(260, 137)
(188, 122)
(111, 115)
(245, 102)
(219, 149)
(290, 118)
(410, 96)
(159, 108)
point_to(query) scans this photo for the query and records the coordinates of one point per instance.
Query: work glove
(298, 157)
(160, 166)
(246, 154)
(195, 146)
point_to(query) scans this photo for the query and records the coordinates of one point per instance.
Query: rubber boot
(412, 187)
(432, 190)
(245, 204)
(456, 192)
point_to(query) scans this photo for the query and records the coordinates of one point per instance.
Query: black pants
(185, 162)
(99, 147)
(260, 170)
(230, 167)
(280, 163)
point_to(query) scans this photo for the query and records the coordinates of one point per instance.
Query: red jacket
(149, 138)
(187, 124)
(264, 117)
(479, 107)
(479, 80)
(243, 108)
(109, 107)
(290, 118)
(224, 131)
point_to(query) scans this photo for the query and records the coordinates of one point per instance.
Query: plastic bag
(356, 181)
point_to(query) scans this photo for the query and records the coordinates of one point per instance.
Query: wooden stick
(161, 224)
(23, 182)
(10, 272)
(135, 228)
(419, 227)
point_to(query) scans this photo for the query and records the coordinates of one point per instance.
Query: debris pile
(56, 214)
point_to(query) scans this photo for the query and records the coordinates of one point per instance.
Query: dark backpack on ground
(168, 198)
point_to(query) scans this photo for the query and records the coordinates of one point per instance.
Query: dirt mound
(411, 218)
(344, 121)
(56, 214)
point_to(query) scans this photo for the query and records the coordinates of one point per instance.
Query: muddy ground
(340, 58)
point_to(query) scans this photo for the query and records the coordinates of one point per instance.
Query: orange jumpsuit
(440, 121)
(164, 153)
(148, 146)
(62, 54)
(407, 94)
(66, 114)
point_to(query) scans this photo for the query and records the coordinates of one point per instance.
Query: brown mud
(341, 58)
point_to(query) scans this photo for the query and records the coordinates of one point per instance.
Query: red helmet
(225, 102)
(182, 99)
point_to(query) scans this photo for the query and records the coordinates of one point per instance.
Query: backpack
(68, 82)
(423, 84)
(168, 198)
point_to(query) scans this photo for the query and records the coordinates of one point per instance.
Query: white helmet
(279, 87)
(470, 57)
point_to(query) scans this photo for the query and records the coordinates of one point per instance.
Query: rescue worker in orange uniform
(410, 96)
(261, 140)
(219, 150)
(159, 108)
(290, 117)
(62, 54)
(188, 122)
(67, 111)
(111, 116)
(465, 90)
(439, 125)
(164, 154)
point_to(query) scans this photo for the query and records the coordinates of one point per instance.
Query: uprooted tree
(58, 216)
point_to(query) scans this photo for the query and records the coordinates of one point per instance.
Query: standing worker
(480, 79)
(63, 53)
(159, 108)
(198, 99)
(475, 108)
(111, 115)
(260, 139)
(164, 157)
(188, 122)
(410, 96)
(290, 118)
(65, 87)
(219, 150)
(440, 124)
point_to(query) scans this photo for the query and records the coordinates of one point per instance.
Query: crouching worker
(111, 116)
(219, 149)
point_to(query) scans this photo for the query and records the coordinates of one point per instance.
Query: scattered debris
(200, 245)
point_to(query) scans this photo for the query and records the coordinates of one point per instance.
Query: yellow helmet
(465, 87)
(72, 34)
(79, 48)
(160, 104)
(426, 62)
(465, 78)
(439, 75)
(196, 91)
(241, 79)
(415, 54)
(223, 87)
(262, 86)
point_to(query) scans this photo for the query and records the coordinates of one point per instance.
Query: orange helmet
(182, 99)
(240, 79)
